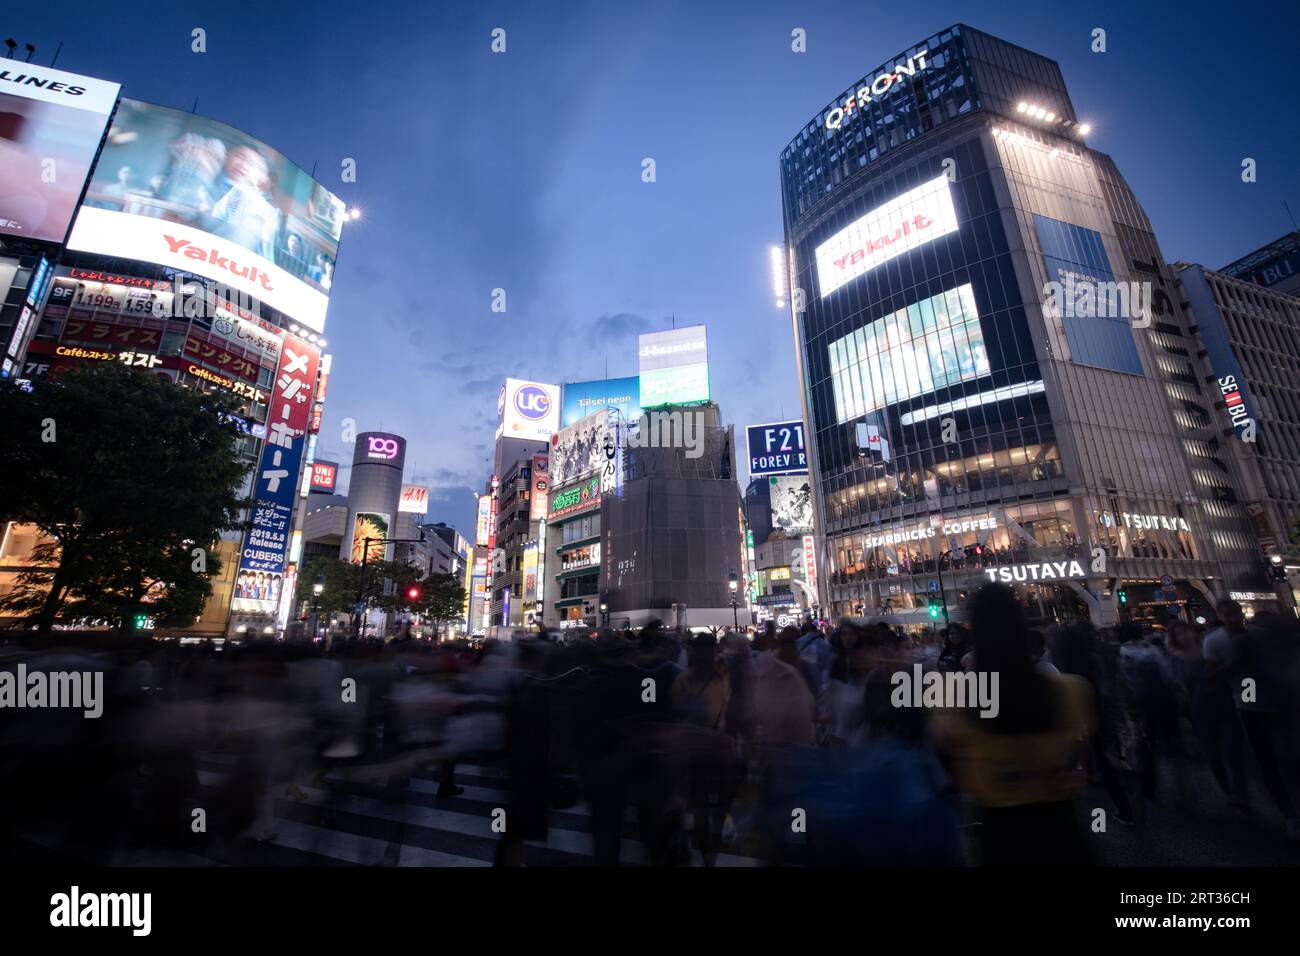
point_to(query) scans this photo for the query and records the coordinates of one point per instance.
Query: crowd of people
(789, 746)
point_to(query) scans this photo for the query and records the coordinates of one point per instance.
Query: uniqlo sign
(322, 475)
(287, 422)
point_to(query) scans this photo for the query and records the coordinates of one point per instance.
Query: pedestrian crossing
(342, 823)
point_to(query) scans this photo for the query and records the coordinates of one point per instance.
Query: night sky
(523, 170)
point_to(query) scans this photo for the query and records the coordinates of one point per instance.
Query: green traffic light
(1123, 597)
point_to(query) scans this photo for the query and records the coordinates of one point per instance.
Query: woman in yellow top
(1020, 765)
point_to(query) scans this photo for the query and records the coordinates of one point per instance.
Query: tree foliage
(133, 478)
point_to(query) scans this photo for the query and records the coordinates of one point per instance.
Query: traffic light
(1123, 596)
(934, 608)
(413, 593)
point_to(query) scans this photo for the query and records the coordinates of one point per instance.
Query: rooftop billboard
(674, 366)
(583, 398)
(188, 192)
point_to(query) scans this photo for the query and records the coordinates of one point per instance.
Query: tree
(442, 599)
(340, 584)
(133, 478)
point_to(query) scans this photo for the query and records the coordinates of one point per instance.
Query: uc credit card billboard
(528, 410)
(188, 192)
(51, 124)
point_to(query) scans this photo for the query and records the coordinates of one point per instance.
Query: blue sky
(522, 170)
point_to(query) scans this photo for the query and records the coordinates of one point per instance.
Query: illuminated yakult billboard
(185, 191)
(910, 220)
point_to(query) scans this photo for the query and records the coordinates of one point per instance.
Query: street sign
(1166, 580)
(934, 586)
(1174, 609)
(360, 608)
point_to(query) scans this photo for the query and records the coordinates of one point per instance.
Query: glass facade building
(989, 351)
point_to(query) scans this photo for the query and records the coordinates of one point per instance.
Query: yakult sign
(900, 225)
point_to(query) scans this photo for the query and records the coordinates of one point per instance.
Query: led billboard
(905, 222)
(924, 346)
(792, 504)
(776, 449)
(529, 410)
(185, 191)
(674, 366)
(51, 125)
(583, 398)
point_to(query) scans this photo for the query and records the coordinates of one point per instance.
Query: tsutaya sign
(1047, 571)
(877, 87)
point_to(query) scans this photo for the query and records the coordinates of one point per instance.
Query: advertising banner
(910, 220)
(674, 366)
(529, 410)
(414, 499)
(185, 191)
(541, 471)
(482, 527)
(776, 449)
(583, 398)
(286, 422)
(51, 125)
(580, 449)
(369, 524)
(792, 504)
(259, 580)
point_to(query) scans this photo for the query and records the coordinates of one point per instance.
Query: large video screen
(902, 224)
(185, 191)
(924, 346)
(51, 123)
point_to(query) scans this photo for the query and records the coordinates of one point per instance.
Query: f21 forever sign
(776, 449)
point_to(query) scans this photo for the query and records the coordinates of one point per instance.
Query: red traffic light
(413, 594)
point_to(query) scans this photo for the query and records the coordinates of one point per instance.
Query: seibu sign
(876, 88)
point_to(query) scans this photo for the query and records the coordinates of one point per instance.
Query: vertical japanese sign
(277, 479)
(810, 562)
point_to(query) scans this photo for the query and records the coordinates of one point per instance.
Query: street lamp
(317, 586)
(733, 583)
